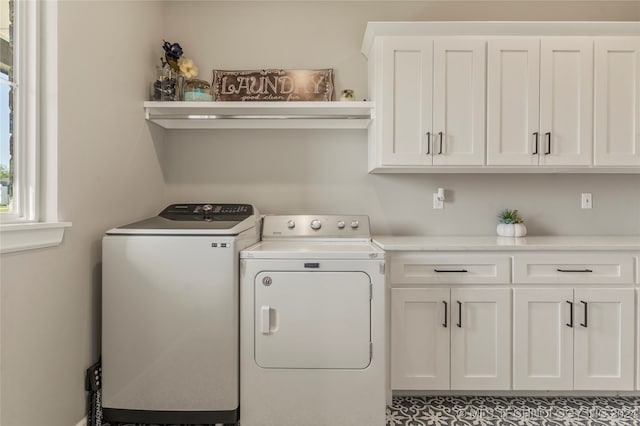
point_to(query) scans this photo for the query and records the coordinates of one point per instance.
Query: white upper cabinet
(539, 98)
(566, 101)
(458, 102)
(617, 100)
(406, 91)
(432, 100)
(504, 97)
(513, 103)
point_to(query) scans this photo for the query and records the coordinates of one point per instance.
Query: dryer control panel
(316, 226)
(207, 212)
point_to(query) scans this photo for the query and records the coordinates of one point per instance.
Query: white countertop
(482, 243)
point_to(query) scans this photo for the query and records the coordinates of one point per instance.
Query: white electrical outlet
(437, 202)
(587, 201)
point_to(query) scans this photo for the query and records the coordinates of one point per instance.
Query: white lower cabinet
(534, 320)
(451, 338)
(603, 339)
(573, 338)
(480, 338)
(419, 338)
(542, 341)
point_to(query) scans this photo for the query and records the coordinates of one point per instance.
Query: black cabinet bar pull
(574, 270)
(586, 307)
(459, 324)
(441, 137)
(428, 143)
(450, 270)
(548, 151)
(570, 324)
(444, 324)
(536, 134)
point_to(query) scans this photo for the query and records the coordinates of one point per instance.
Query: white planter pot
(512, 230)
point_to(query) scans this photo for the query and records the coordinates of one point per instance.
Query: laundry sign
(272, 85)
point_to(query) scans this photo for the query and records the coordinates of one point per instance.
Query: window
(28, 125)
(20, 110)
(7, 92)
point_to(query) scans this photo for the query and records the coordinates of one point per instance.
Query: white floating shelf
(260, 115)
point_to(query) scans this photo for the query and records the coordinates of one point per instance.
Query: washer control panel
(321, 226)
(207, 212)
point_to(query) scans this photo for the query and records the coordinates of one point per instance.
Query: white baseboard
(82, 422)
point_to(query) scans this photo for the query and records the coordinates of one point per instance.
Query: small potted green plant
(511, 224)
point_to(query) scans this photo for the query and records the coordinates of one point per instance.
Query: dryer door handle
(265, 319)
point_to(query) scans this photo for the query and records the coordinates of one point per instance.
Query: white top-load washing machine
(170, 315)
(312, 302)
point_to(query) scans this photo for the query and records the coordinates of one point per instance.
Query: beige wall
(115, 169)
(325, 171)
(109, 173)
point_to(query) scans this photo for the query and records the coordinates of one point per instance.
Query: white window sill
(28, 236)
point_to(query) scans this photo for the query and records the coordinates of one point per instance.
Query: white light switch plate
(587, 201)
(437, 204)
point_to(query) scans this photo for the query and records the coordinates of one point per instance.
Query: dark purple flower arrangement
(172, 53)
(164, 89)
(175, 70)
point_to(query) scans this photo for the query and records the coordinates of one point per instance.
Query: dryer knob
(315, 224)
(355, 224)
(291, 224)
(341, 224)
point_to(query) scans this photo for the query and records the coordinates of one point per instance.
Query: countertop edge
(491, 243)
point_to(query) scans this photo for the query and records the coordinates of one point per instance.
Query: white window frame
(35, 223)
(26, 112)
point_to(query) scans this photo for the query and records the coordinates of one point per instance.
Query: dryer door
(313, 320)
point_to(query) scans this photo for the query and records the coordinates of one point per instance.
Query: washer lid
(194, 219)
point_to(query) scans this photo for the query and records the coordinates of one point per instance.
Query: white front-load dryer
(312, 348)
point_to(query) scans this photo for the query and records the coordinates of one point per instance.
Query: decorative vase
(180, 82)
(512, 230)
(166, 84)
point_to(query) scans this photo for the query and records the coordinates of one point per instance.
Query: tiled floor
(508, 411)
(485, 411)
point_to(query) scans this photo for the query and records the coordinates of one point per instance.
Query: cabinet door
(542, 339)
(481, 339)
(406, 99)
(617, 101)
(419, 338)
(513, 101)
(604, 339)
(566, 101)
(458, 102)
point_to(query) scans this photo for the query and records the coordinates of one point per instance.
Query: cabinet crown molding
(498, 28)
